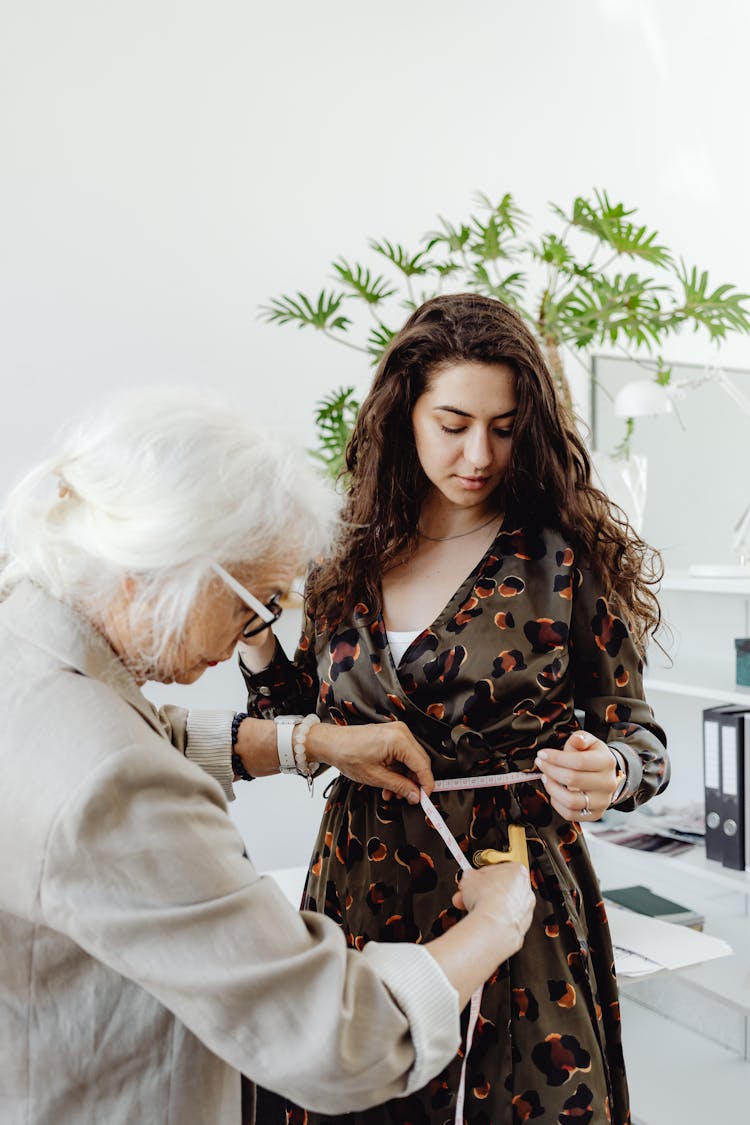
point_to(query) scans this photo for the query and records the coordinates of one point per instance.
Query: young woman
(487, 595)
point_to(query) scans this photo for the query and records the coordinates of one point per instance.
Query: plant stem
(347, 343)
(557, 371)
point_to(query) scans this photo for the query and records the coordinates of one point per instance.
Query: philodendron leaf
(455, 238)
(603, 310)
(323, 314)
(335, 416)
(409, 264)
(378, 340)
(509, 288)
(555, 252)
(371, 289)
(507, 213)
(719, 311)
(610, 223)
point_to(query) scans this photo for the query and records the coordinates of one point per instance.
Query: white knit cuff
(209, 745)
(428, 1000)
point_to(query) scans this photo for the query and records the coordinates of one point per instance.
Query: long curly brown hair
(547, 483)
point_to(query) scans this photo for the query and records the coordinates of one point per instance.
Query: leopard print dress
(526, 652)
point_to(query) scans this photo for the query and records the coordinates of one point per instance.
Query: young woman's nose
(477, 448)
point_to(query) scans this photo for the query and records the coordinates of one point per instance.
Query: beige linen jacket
(143, 961)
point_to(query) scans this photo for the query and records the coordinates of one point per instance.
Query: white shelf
(695, 861)
(721, 895)
(687, 862)
(697, 691)
(705, 625)
(683, 580)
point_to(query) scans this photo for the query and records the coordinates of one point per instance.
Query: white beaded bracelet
(299, 737)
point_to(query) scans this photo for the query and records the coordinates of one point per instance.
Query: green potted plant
(598, 278)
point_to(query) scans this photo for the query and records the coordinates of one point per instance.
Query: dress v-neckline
(447, 611)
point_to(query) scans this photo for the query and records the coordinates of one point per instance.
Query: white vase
(624, 481)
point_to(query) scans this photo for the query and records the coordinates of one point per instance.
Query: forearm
(383, 755)
(607, 669)
(257, 747)
(471, 950)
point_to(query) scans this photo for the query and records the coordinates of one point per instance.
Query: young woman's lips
(212, 663)
(473, 482)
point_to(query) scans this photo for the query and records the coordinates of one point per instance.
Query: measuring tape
(449, 784)
(485, 781)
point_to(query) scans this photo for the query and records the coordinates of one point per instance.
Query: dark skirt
(547, 1045)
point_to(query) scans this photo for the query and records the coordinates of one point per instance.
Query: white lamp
(641, 398)
(644, 397)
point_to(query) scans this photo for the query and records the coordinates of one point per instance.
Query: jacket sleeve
(205, 737)
(608, 674)
(286, 687)
(144, 870)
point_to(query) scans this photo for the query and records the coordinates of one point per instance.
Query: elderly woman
(145, 963)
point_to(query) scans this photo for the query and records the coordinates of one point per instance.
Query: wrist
(256, 658)
(621, 775)
(316, 744)
(305, 767)
(285, 727)
(238, 766)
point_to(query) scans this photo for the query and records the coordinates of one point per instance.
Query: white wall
(166, 167)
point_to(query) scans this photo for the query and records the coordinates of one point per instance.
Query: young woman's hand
(581, 779)
(384, 755)
(256, 652)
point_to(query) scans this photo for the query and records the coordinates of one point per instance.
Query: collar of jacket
(36, 617)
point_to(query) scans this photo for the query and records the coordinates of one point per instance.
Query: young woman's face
(463, 427)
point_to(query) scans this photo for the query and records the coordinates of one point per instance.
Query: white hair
(157, 485)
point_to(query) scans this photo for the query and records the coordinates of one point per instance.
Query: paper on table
(664, 944)
(630, 964)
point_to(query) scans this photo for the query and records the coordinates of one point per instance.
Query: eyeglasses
(268, 613)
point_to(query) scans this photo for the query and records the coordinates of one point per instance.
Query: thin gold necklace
(461, 534)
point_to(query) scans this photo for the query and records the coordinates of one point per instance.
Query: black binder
(733, 789)
(724, 780)
(712, 781)
(747, 790)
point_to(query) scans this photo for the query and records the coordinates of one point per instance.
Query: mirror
(697, 484)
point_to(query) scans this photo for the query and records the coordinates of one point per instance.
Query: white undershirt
(399, 642)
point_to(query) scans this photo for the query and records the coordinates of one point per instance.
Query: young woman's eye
(504, 433)
(451, 430)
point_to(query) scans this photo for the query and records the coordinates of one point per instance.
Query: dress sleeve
(286, 687)
(144, 870)
(608, 675)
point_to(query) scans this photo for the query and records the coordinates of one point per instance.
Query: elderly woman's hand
(500, 905)
(501, 893)
(581, 779)
(384, 755)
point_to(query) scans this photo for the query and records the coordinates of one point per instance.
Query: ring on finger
(586, 810)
